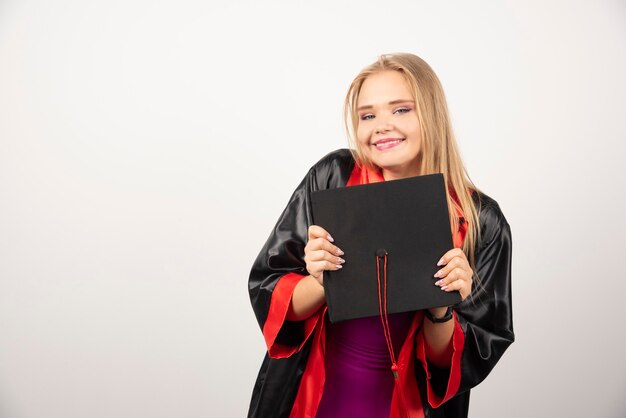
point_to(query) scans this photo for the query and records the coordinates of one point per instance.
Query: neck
(390, 174)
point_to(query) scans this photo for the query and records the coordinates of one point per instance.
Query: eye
(402, 110)
(367, 116)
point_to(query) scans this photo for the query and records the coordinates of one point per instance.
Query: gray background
(148, 147)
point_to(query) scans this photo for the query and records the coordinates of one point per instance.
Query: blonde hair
(439, 152)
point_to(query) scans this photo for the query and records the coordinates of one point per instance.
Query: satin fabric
(485, 318)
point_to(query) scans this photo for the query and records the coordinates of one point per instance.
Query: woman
(397, 118)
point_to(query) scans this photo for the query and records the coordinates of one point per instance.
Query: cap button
(381, 252)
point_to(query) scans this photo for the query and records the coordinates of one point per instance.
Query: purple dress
(359, 381)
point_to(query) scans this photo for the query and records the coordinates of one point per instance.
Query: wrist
(439, 315)
(319, 279)
(438, 312)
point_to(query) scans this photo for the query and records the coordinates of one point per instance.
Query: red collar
(364, 175)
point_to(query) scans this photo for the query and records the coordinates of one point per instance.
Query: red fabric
(454, 380)
(279, 305)
(364, 175)
(312, 384)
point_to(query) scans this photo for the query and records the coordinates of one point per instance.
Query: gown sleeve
(483, 326)
(278, 268)
(280, 264)
(486, 317)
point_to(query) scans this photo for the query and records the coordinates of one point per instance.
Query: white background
(148, 147)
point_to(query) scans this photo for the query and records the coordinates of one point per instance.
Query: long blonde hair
(439, 151)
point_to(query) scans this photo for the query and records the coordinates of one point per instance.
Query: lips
(387, 143)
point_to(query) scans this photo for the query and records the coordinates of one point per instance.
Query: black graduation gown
(486, 317)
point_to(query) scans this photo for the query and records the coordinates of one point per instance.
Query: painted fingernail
(341, 261)
(339, 266)
(444, 287)
(440, 262)
(438, 282)
(339, 252)
(329, 238)
(438, 274)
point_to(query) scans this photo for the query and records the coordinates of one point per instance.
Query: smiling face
(388, 131)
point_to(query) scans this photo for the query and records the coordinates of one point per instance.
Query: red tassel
(384, 319)
(382, 308)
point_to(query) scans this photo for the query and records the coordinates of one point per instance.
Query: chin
(407, 166)
(390, 163)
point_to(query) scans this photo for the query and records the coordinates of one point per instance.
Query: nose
(383, 125)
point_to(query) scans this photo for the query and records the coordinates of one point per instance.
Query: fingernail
(438, 282)
(339, 266)
(339, 252)
(444, 287)
(341, 260)
(330, 238)
(438, 274)
(440, 262)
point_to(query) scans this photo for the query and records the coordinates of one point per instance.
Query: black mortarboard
(405, 221)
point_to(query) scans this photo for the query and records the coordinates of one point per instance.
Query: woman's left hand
(456, 275)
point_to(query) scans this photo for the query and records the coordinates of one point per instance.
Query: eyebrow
(391, 103)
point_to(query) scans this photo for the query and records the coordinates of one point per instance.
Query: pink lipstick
(387, 143)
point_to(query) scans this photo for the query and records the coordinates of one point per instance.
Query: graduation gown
(290, 381)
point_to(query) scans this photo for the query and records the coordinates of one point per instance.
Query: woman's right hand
(320, 254)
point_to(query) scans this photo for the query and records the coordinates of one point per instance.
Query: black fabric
(486, 317)
(406, 220)
(277, 385)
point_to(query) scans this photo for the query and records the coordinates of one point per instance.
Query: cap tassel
(384, 319)
(382, 308)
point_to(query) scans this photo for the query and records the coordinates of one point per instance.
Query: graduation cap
(392, 233)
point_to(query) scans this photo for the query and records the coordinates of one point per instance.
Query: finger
(322, 255)
(456, 262)
(316, 231)
(319, 266)
(455, 252)
(455, 274)
(459, 286)
(322, 244)
(453, 286)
